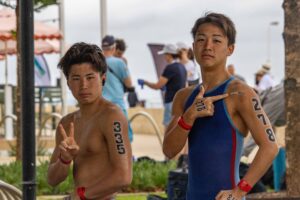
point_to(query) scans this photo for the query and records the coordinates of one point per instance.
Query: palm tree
(292, 94)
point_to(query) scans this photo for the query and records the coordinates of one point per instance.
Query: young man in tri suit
(215, 117)
(95, 137)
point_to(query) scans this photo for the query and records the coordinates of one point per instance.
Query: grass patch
(137, 196)
(148, 176)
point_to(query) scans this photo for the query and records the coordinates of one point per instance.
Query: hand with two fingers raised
(68, 146)
(202, 106)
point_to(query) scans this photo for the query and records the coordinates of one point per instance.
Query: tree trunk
(292, 94)
(18, 93)
(292, 101)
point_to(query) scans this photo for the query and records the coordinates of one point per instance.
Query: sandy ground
(147, 145)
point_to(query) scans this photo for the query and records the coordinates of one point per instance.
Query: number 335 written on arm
(118, 138)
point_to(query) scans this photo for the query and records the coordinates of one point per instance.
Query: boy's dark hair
(219, 20)
(120, 45)
(83, 53)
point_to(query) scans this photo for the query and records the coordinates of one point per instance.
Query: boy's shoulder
(109, 110)
(240, 86)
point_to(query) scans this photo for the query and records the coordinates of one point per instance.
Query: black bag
(132, 96)
(132, 99)
(177, 184)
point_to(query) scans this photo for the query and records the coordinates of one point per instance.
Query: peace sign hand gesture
(68, 146)
(203, 106)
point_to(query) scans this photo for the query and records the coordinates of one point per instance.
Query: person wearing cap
(266, 80)
(117, 77)
(187, 59)
(173, 79)
(215, 117)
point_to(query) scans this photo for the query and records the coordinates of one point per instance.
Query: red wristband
(244, 186)
(80, 193)
(183, 124)
(64, 161)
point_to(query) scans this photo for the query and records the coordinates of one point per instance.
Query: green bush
(150, 176)
(147, 176)
(12, 174)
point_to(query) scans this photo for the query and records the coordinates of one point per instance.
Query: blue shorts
(167, 113)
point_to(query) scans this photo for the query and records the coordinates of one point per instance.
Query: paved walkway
(147, 145)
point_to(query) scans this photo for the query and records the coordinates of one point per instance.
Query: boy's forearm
(57, 172)
(261, 163)
(174, 141)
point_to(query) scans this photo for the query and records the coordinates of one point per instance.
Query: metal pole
(8, 102)
(6, 64)
(103, 18)
(27, 99)
(63, 82)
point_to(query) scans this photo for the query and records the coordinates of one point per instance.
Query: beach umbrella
(8, 27)
(46, 37)
(47, 46)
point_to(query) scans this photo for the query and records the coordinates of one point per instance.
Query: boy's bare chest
(89, 136)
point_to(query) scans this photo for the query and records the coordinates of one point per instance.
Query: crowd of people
(212, 114)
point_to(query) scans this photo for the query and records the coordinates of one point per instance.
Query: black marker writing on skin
(200, 105)
(270, 135)
(256, 104)
(230, 197)
(118, 137)
(262, 118)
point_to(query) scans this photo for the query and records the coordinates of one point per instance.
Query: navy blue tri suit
(215, 147)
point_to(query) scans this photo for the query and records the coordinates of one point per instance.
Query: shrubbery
(147, 176)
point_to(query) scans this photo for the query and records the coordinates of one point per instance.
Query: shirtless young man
(95, 137)
(215, 117)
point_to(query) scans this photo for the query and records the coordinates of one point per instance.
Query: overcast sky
(168, 21)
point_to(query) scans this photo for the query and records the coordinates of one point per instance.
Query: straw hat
(266, 67)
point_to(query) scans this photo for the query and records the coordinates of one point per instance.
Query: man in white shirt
(266, 80)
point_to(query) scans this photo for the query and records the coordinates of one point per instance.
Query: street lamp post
(63, 81)
(274, 23)
(103, 19)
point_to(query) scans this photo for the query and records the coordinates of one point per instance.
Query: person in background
(257, 78)
(231, 70)
(173, 79)
(266, 80)
(120, 50)
(215, 117)
(121, 47)
(94, 137)
(117, 77)
(187, 59)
